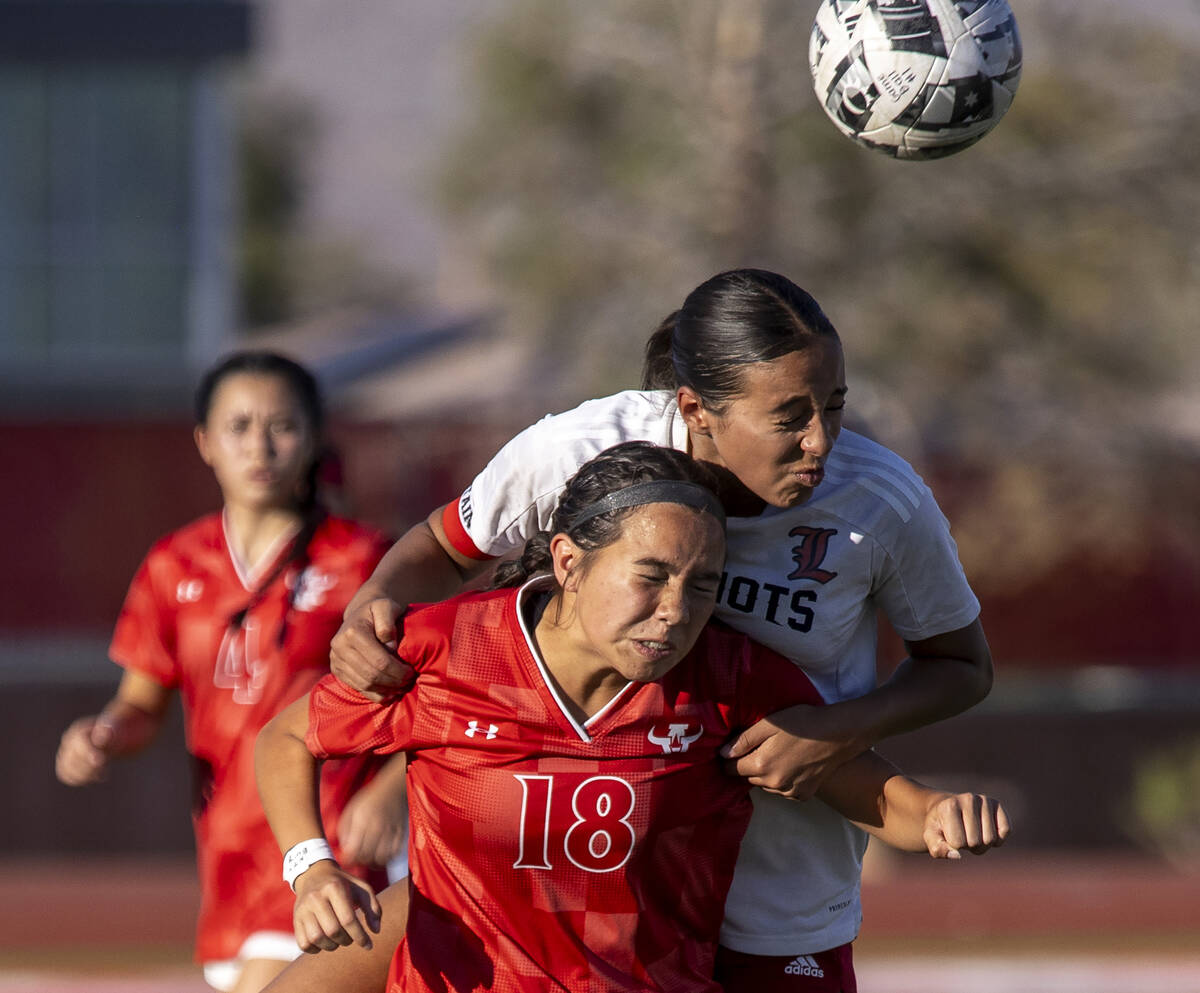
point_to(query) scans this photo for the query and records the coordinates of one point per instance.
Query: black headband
(655, 491)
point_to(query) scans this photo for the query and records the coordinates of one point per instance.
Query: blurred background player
(573, 826)
(826, 529)
(235, 611)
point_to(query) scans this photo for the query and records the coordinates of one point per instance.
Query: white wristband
(299, 857)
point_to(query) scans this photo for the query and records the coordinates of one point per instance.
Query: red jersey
(548, 853)
(175, 627)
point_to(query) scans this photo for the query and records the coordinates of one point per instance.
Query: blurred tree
(287, 269)
(1164, 803)
(273, 136)
(1023, 310)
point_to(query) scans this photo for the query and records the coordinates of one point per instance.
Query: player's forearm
(913, 698)
(941, 677)
(870, 791)
(287, 775)
(856, 789)
(416, 569)
(904, 810)
(136, 714)
(133, 729)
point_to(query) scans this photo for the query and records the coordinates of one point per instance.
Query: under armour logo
(676, 739)
(488, 732)
(189, 590)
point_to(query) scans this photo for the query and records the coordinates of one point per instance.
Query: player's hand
(363, 652)
(792, 752)
(964, 821)
(371, 826)
(333, 909)
(84, 751)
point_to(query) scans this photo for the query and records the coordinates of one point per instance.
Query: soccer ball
(915, 79)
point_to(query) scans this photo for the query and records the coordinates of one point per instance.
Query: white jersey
(807, 581)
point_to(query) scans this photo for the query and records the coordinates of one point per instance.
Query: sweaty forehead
(671, 531)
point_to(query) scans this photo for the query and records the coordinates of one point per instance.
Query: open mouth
(654, 650)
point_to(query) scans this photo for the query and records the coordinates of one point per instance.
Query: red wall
(84, 501)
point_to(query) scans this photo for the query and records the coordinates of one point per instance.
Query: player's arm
(333, 909)
(371, 825)
(794, 751)
(128, 723)
(905, 814)
(423, 566)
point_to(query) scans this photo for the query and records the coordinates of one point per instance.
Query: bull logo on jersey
(677, 738)
(311, 587)
(239, 666)
(810, 553)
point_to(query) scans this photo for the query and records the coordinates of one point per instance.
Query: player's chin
(648, 666)
(791, 495)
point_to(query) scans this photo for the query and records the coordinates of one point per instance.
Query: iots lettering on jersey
(777, 604)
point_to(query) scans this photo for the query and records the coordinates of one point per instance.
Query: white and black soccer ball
(915, 79)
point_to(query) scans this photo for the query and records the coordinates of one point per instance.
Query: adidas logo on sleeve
(804, 965)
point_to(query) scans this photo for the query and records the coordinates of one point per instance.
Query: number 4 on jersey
(600, 839)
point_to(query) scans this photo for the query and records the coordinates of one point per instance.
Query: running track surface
(1010, 922)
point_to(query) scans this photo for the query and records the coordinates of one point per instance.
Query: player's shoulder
(631, 414)
(202, 534)
(719, 658)
(470, 606)
(732, 648)
(427, 627)
(857, 454)
(867, 483)
(344, 533)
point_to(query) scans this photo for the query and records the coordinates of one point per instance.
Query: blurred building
(116, 200)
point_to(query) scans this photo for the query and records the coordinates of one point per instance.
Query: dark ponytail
(727, 322)
(534, 558)
(658, 370)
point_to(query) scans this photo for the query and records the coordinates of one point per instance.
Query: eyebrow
(648, 563)
(793, 402)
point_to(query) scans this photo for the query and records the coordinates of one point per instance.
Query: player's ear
(201, 438)
(693, 411)
(565, 556)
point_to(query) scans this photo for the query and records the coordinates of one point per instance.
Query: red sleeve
(344, 722)
(770, 682)
(144, 636)
(457, 534)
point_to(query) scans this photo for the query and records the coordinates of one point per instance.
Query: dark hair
(614, 469)
(728, 321)
(263, 363)
(304, 387)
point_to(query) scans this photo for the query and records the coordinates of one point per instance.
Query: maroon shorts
(821, 972)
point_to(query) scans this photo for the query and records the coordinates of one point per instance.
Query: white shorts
(279, 945)
(397, 867)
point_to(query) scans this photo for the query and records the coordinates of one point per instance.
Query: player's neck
(737, 499)
(584, 687)
(256, 532)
